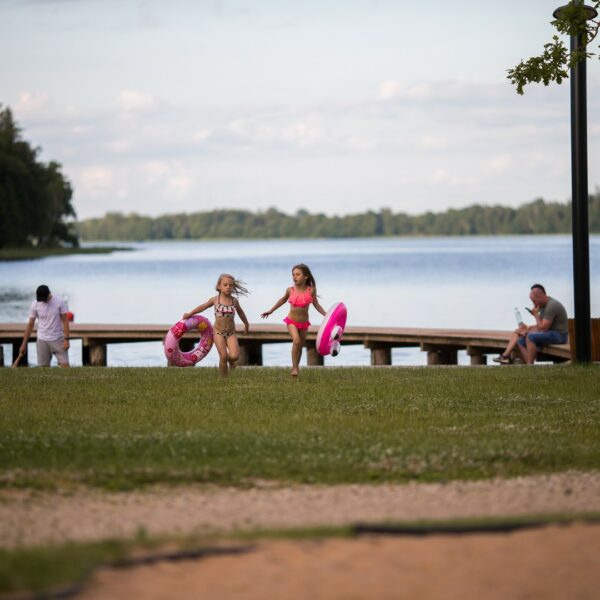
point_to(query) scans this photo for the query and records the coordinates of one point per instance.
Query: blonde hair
(239, 287)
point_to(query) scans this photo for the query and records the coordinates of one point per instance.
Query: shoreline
(15, 254)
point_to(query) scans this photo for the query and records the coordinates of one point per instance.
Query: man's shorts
(45, 350)
(544, 338)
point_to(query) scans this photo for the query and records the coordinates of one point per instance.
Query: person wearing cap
(52, 329)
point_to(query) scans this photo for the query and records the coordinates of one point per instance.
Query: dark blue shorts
(544, 338)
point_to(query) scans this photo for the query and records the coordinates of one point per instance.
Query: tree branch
(555, 61)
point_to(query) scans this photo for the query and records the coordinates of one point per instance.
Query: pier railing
(441, 345)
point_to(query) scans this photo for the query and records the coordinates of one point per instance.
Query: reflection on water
(428, 282)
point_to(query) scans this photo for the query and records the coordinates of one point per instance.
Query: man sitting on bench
(551, 327)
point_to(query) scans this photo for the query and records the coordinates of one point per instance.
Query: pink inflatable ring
(331, 330)
(188, 359)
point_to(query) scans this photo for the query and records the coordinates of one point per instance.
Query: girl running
(300, 296)
(226, 304)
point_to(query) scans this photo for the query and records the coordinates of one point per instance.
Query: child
(300, 296)
(226, 304)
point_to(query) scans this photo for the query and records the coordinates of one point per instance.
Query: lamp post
(579, 203)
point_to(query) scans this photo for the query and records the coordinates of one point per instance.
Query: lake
(468, 282)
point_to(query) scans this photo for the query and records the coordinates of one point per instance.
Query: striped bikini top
(300, 299)
(224, 310)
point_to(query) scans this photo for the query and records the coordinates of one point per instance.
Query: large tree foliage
(35, 198)
(554, 62)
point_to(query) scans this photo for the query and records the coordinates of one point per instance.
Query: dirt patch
(31, 518)
(552, 562)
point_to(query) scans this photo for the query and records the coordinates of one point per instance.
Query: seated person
(551, 327)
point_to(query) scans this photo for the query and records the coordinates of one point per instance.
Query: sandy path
(553, 562)
(29, 518)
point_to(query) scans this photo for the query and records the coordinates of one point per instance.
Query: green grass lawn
(123, 428)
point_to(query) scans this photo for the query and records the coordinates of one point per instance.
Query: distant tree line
(537, 217)
(35, 198)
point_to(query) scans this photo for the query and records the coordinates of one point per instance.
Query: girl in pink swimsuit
(300, 296)
(226, 305)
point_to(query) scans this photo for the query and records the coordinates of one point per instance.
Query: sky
(333, 106)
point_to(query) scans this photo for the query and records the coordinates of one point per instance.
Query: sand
(553, 562)
(31, 518)
(549, 562)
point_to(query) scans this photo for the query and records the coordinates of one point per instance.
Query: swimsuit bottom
(225, 334)
(300, 326)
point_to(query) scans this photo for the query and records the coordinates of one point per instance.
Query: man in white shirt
(52, 329)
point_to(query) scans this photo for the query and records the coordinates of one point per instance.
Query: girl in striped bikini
(300, 296)
(226, 304)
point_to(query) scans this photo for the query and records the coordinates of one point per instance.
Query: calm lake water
(471, 282)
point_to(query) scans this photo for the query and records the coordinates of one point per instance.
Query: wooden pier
(441, 345)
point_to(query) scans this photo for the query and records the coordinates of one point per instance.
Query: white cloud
(95, 179)
(500, 164)
(238, 127)
(120, 146)
(389, 89)
(179, 185)
(429, 145)
(445, 177)
(202, 135)
(130, 100)
(398, 89)
(432, 142)
(154, 170)
(31, 102)
(303, 134)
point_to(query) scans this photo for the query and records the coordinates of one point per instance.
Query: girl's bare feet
(294, 373)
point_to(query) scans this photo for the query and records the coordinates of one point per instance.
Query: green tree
(35, 198)
(537, 217)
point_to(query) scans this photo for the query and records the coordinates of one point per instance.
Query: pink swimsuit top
(300, 299)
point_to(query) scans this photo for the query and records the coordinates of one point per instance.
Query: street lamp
(579, 203)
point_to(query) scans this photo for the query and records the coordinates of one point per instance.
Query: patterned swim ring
(196, 323)
(331, 330)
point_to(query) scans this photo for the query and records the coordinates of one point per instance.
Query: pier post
(15, 352)
(478, 359)
(381, 355)
(250, 354)
(433, 358)
(313, 358)
(477, 356)
(93, 353)
(440, 355)
(98, 355)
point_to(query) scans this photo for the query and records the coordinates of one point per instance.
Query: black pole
(579, 175)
